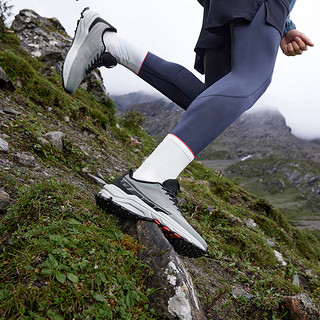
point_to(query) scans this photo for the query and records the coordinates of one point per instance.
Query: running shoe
(87, 51)
(129, 198)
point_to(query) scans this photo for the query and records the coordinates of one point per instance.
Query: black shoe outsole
(180, 245)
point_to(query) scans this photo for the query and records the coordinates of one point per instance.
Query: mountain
(261, 134)
(161, 115)
(61, 257)
(260, 151)
(258, 134)
(124, 101)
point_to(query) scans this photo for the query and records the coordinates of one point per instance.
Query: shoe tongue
(108, 60)
(172, 185)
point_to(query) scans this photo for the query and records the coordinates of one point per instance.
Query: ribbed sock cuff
(125, 52)
(166, 161)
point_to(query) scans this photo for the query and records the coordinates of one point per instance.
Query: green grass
(219, 209)
(63, 258)
(283, 182)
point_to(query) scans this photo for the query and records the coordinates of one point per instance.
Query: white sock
(124, 52)
(166, 162)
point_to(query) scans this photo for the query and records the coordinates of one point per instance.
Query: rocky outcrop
(4, 146)
(301, 307)
(176, 297)
(43, 38)
(4, 201)
(47, 40)
(5, 82)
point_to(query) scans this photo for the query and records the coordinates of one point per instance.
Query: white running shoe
(130, 198)
(87, 51)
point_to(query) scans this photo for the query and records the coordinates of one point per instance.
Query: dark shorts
(215, 32)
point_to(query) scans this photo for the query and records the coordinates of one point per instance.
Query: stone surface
(295, 280)
(26, 159)
(279, 258)
(240, 292)
(271, 243)
(301, 307)
(251, 224)
(47, 40)
(42, 37)
(4, 146)
(5, 82)
(11, 111)
(4, 201)
(176, 297)
(56, 138)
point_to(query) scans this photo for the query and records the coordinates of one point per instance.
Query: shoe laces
(172, 196)
(95, 63)
(171, 188)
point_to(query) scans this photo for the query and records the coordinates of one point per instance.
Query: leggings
(233, 84)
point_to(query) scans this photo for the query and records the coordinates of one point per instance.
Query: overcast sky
(169, 28)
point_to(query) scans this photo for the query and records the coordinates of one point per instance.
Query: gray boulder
(5, 82)
(176, 297)
(4, 201)
(4, 146)
(56, 138)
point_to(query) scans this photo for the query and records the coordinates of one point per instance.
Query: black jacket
(217, 14)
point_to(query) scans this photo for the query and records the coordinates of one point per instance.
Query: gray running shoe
(87, 51)
(134, 199)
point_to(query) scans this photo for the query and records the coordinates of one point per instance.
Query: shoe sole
(114, 200)
(82, 30)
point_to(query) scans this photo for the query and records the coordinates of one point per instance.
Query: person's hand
(294, 43)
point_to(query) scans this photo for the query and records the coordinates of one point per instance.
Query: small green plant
(62, 258)
(132, 119)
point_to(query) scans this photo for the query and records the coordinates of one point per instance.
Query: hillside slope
(63, 258)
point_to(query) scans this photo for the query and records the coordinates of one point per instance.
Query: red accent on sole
(167, 232)
(165, 229)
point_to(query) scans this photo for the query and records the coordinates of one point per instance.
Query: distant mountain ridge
(125, 101)
(161, 115)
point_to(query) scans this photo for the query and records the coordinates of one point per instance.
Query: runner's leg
(253, 52)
